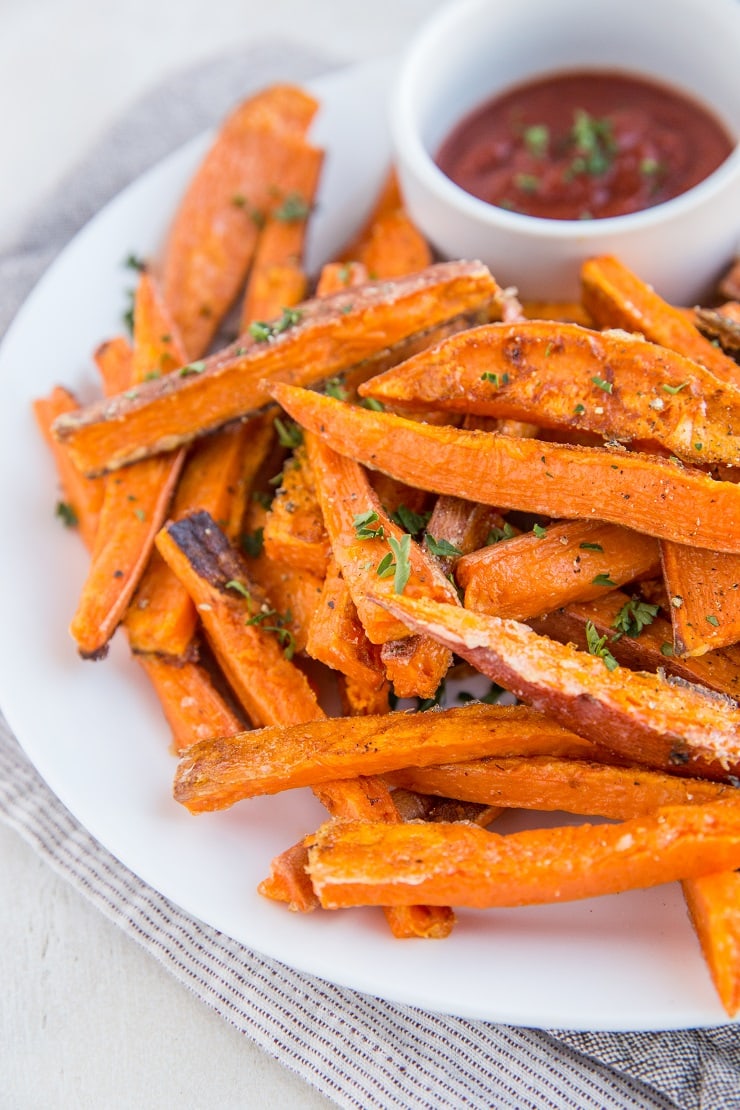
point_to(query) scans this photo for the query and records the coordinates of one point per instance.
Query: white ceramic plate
(96, 734)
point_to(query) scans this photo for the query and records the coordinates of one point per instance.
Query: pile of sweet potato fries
(394, 472)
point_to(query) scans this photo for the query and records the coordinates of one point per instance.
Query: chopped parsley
(367, 526)
(333, 388)
(603, 384)
(537, 139)
(253, 542)
(597, 646)
(192, 368)
(497, 534)
(711, 619)
(594, 144)
(238, 587)
(293, 208)
(495, 379)
(409, 520)
(66, 514)
(402, 571)
(674, 388)
(289, 433)
(603, 580)
(442, 548)
(590, 547)
(262, 332)
(539, 531)
(634, 616)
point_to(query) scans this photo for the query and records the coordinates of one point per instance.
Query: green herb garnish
(597, 646)
(634, 616)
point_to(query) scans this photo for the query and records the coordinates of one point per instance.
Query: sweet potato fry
(643, 492)
(276, 278)
(534, 573)
(322, 338)
(415, 665)
(571, 785)
(336, 276)
(244, 632)
(191, 703)
(564, 376)
(617, 298)
(217, 773)
(361, 533)
(336, 636)
(261, 146)
(714, 906)
(114, 360)
(293, 592)
(247, 635)
(162, 618)
(389, 245)
(638, 716)
(135, 502)
(646, 646)
(358, 699)
(294, 531)
(84, 496)
(352, 864)
(704, 588)
(132, 513)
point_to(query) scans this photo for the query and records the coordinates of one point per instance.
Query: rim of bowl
(411, 150)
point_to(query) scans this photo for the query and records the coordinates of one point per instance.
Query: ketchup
(584, 145)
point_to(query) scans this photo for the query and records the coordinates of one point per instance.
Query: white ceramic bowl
(474, 49)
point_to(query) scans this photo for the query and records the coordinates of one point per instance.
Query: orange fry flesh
(644, 492)
(564, 376)
(617, 298)
(353, 864)
(323, 337)
(217, 773)
(535, 573)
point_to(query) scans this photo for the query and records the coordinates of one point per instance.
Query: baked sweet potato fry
(714, 906)
(162, 618)
(259, 148)
(336, 636)
(644, 492)
(294, 531)
(114, 360)
(646, 646)
(704, 589)
(563, 376)
(593, 789)
(191, 703)
(389, 244)
(136, 501)
(83, 496)
(640, 717)
(318, 340)
(532, 574)
(617, 298)
(354, 864)
(247, 635)
(361, 532)
(277, 279)
(217, 773)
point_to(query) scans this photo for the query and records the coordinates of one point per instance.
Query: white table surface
(87, 1018)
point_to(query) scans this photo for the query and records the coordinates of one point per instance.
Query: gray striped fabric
(357, 1050)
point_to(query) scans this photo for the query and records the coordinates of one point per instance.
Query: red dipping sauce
(584, 145)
